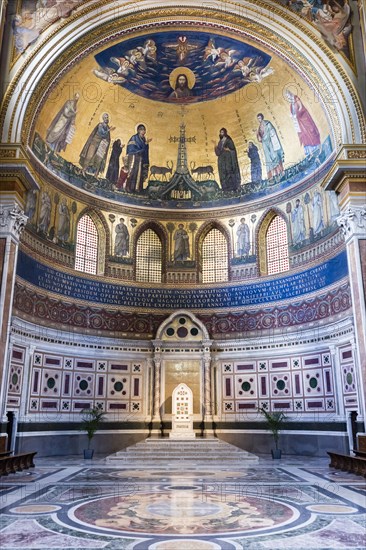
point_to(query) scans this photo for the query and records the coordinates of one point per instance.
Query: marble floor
(291, 503)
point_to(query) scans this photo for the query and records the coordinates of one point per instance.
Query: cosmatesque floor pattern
(291, 503)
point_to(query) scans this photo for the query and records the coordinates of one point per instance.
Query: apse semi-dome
(180, 87)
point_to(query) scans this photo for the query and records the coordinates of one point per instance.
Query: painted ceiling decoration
(179, 117)
(33, 17)
(332, 18)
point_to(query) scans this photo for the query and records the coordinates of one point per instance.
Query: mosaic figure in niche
(94, 153)
(31, 204)
(272, 148)
(255, 163)
(298, 223)
(45, 213)
(304, 125)
(317, 204)
(61, 130)
(113, 166)
(227, 161)
(243, 242)
(334, 207)
(63, 228)
(122, 242)
(181, 244)
(138, 160)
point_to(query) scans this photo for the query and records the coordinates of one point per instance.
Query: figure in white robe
(317, 204)
(298, 223)
(243, 242)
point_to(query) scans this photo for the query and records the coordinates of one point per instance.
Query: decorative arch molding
(159, 229)
(176, 315)
(202, 234)
(103, 234)
(260, 236)
(279, 29)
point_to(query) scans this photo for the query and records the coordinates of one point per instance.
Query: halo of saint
(182, 80)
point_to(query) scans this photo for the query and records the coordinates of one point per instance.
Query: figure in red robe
(304, 125)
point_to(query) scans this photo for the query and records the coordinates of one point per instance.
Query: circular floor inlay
(177, 512)
(186, 544)
(35, 509)
(180, 508)
(183, 487)
(331, 509)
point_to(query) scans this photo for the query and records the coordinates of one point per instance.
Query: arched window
(148, 257)
(86, 249)
(277, 246)
(214, 258)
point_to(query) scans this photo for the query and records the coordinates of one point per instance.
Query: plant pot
(276, 453)
(88, 453)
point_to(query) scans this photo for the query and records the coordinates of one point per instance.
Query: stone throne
(182, 417)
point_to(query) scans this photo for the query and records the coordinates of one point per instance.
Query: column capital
(332, 349)
(12, 220)
(353, 221)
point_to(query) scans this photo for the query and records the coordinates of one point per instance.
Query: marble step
(160, 452)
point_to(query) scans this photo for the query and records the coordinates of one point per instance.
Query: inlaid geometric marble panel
(294, 384)
(66, 384)
(15, 377)
(348, 377)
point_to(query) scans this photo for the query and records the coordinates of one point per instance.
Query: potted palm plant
(91, 419)
(275, 421)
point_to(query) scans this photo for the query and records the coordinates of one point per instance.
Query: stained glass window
(148, 257)
(214, 258)
(86, 250)
(277, 246)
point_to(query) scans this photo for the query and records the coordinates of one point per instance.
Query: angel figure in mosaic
(182, 48)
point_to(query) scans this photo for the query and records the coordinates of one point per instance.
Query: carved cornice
(349, 165)
(16, 167)
(353, 222)
(12, 220)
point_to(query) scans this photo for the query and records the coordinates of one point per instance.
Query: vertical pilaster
(12, 222)
(347, 178)
(334, 352)
(353, 225)
(26, 389)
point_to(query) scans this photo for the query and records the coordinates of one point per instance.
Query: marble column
(348, 179)
(157, 389)
(207, 387)
(12, 222)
